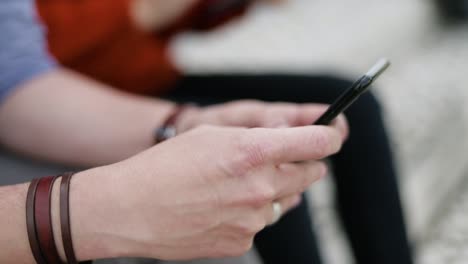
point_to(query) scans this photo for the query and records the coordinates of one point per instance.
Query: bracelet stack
(39, 220)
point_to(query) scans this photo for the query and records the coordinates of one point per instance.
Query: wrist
(180, 119)
(94, 218)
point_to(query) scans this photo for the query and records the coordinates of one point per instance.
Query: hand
(151, 15)
(250, 113)
(205, 193)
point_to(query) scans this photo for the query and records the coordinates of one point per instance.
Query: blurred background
(424, 95)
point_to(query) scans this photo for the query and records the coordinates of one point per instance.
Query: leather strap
(65, 219)
(44, 220)
(31, 223)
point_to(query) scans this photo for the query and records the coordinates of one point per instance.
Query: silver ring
(277, 212)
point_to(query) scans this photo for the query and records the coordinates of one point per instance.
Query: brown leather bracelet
(65, 219)
(31, 223)
(44, 220)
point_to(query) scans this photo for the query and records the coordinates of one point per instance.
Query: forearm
(66, 118)
(14, 245)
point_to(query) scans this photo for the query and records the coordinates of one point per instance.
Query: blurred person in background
(124, 43)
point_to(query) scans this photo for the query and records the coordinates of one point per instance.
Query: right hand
(206, 193)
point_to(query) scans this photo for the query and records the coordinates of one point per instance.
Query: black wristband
(168, 129)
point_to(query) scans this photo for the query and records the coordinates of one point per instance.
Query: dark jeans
(366, 185)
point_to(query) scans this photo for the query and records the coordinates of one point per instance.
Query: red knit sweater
(97, 38)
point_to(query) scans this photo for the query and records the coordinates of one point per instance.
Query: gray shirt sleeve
(23, 49)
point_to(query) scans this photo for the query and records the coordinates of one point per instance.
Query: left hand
(250, 113)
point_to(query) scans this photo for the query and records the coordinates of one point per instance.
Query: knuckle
(252, 153)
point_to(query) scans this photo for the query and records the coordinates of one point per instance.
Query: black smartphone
(350, 95)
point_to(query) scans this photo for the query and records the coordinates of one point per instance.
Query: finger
(285, 145)
(309, 113)
(286, 204)
(270, 183)
(290, 179)
(289, 203)
(289, 114)
(341, 123)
